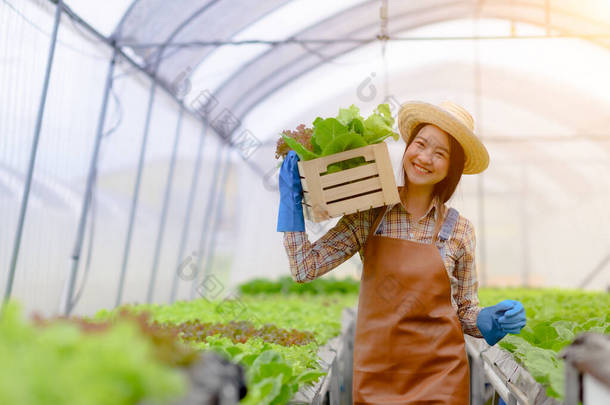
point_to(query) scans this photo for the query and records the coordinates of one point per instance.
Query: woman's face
(426, 159)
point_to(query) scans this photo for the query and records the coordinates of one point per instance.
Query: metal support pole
(524, 227)
(482, 268)
(66, 300)
(187, 217)
(212, 243)
(30, 172)
(573, 384)
(136, 192)
(168, 189)
(482, 241)
(208, 237)
(600, 266)
(547, 12)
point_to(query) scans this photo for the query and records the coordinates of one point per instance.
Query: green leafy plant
(241, 331)
(349, 130)
(61, 363)
(554, 318)
(286, 285)
(276, 337)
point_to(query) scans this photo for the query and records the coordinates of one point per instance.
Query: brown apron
(409, 347)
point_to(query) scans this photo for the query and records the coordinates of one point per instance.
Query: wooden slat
(314, 194)
(317, 197)
(304, 183)
(347, 175)
(321, 164)
(307, 199)
(352, 205)
(347, 190)
(307, 213)
(386, 173)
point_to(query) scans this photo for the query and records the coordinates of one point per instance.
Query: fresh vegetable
(554, 318)
(281, 335)
(241, 332)
(61, 364)
(286, 285)
(166, 344)
(302, 135)
(349, 130)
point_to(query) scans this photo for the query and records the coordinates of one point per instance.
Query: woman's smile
(421, 169)
(426, 159)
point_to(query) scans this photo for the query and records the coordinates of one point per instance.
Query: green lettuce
(349, 130)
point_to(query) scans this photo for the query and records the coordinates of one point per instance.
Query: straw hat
(451, 118)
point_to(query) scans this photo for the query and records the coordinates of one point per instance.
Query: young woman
(419, 289)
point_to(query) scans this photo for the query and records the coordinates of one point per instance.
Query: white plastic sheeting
(541, 106)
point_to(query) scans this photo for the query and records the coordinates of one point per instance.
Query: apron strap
(450, 221)
(384, 210)
(447, 229)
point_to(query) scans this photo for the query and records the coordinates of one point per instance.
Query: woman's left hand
(496, 321)
(513, 319)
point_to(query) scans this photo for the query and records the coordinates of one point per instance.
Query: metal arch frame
(326, 19)
(155, 83)
(111, 43)
(158, 60)
(180, 27)
(264, 96)
(211, 249)
(187, 217)
(136, 192)
(186, 22)
(348, 49)
(117, 30)
(166, 202)
(32, 162)
(284, 2)
(271, 50)
(66, 304)
(279, 86)
(282, 84)
(276, 88)
(223, 148)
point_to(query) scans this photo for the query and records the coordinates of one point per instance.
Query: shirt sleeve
(309, 261)
(467, 295)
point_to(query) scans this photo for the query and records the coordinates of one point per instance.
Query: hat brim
(414, 113)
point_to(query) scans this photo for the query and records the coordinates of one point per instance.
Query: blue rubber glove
(496, 321)
(290, 217)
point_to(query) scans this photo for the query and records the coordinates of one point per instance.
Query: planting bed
(554, 318)
(291, 339)
(275, 336)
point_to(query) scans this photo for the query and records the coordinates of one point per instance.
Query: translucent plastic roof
(540, 105)
(146, 25)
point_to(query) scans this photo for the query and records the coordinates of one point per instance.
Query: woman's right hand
(290, 216)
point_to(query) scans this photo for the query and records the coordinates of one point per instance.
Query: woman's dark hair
(447, 186)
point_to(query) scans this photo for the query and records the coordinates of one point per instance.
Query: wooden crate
(351, 190)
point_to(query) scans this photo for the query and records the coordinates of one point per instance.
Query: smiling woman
(421, 247)
(426, 166)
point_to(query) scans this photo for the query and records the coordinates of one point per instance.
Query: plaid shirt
(309, 261)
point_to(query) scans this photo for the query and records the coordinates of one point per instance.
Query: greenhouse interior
(184, 186)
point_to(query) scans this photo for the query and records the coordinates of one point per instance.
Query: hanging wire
(48, 34)
(383, 37)
(118, 112)
(329, 41)
(93, 211)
